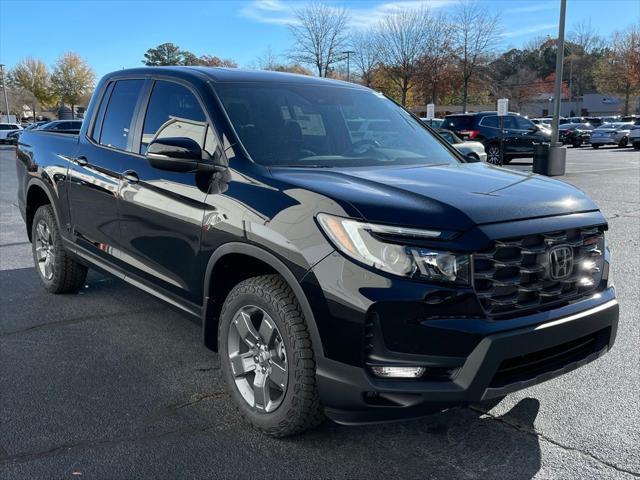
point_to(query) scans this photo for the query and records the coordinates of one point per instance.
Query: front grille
(515, 275)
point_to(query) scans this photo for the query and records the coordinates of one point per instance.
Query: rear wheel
(58, 272)
(623, 143)
(267, 358)
(493, 154)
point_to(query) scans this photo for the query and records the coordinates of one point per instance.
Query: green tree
(32, 75)
(165, 54)
(72, 79)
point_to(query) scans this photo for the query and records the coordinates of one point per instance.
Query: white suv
(6, 129)
(634, 136)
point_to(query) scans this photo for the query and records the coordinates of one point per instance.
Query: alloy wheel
(493, 155)
(258, 358)
(45, 250)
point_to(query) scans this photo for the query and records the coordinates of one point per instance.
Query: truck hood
(448, 197)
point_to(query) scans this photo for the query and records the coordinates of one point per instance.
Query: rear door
(161, 212)
(94, 172)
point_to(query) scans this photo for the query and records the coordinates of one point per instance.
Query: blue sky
(113, 34)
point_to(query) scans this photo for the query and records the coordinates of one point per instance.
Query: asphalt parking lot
(111, 383)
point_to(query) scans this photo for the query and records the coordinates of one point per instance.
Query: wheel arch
(38, 194)
(210, 309)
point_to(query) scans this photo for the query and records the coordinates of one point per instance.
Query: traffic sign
(431, 111)
(503, 106)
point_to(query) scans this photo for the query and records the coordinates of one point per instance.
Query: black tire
(576, 144)
(299, 408)
(67, 276)
(595, 146)
(636, 146)
(623, 143)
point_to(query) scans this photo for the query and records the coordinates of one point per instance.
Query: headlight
(358, 240)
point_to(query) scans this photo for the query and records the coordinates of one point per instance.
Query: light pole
(557, 154)
(348, 54)
(557, 91)
(4, 89)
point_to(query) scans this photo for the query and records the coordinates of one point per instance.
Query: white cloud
(268, 11)
(279, 12)
(531, 29)
(534, 7)
(368, 17)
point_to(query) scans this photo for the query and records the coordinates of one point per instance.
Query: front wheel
(58, 272)
(623, 143)
(267, 358)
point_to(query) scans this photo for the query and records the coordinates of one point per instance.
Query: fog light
(398, 372)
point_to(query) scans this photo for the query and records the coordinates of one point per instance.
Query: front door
(161, 212)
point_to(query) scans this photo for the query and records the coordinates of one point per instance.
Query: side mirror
(176, 154)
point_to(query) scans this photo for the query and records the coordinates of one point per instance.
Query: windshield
(326, 126)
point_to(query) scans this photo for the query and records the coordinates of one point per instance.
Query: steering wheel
(357, 146)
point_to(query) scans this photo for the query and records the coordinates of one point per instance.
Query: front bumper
(501, 363)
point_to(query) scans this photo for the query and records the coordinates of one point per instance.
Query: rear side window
(173, 111)
(97, 126)
(458, 122)
(119, 113)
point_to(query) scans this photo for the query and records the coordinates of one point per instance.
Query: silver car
(474, 151)
(616, 133)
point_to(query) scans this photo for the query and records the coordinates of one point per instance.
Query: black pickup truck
(340, 256)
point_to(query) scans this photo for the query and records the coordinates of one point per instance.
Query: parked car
(595, 121)
(575, 134)
(364, 280)
(434, 123)
(519, 133)
(634, 135)
(541, 121)
(6, 129)
(13, 136)
(611, 134)
(630, 118)
(61, 125)
(470, 149)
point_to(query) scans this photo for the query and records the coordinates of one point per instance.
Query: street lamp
(4, 89)
(348, 53)
(557, 154)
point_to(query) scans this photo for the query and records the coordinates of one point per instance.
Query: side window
(119, 113)
(490, 121)
(173, 111)
(97, 125)
(523, 123)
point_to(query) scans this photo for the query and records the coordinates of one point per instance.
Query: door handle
(131, 176)
(82, 161)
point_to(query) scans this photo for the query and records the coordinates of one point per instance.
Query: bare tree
(320, 36)
(476, 36)
(403, 38)
(435, 67)
(366, 57)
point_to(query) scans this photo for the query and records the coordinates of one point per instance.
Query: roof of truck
(220, 74)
